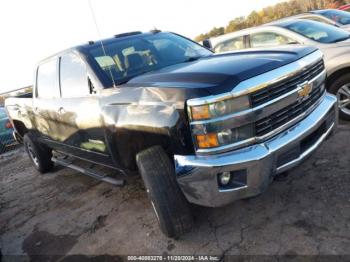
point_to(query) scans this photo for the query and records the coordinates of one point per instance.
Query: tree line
(271, 13)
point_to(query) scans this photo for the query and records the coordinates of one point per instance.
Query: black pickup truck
(200, 128)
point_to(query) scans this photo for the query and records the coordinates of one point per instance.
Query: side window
(47, 80)
(73, 77)
(230, 45)
(266, 39)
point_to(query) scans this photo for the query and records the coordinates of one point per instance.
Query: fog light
(225, 178)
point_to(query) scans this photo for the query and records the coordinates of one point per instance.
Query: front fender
(134, 127)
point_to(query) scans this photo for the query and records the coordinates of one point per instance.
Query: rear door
(46, 100)
(82, 127)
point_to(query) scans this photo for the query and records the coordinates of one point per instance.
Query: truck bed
(20, 110)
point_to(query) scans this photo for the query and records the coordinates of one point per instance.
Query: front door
(81, 123)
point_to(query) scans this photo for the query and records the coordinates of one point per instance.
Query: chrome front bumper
(257, 164)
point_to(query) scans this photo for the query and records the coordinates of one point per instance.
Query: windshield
(316, 31)
(133, 56)
(338, 16)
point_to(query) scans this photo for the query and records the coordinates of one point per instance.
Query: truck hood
(221, 72)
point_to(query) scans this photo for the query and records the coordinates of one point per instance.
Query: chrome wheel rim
(343, 96)
(32, 154)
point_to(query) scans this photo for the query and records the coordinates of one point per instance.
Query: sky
(34, 29)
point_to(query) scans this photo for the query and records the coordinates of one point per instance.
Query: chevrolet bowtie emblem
(305, 90)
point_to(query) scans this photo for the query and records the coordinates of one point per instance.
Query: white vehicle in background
(332, 41)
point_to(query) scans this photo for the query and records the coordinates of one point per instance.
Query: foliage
(270, 13)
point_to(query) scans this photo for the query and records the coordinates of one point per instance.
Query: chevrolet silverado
(200, 128)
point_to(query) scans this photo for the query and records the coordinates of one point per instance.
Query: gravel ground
(304, 212)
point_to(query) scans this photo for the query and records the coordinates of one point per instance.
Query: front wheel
(170, 205)
(39, 154)
(341, 88)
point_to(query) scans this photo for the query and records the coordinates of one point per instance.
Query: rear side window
(47, 80)
(266, 39)
(230, 45)
(73, 76)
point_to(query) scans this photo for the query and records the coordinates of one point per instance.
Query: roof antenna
(99, 36)
(155, 30)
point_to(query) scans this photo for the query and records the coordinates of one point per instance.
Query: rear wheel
(170, 205)
(39, 154)
(341, 88)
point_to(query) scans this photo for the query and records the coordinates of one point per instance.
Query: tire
(170, 205)
(39, 154)
(335, 88)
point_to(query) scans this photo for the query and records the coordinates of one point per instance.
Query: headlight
(220, 108)
(225, 137)
(230, 136)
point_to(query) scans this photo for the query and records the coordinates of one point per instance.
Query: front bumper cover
(197, 175)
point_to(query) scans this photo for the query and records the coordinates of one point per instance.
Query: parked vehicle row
(200, 128)
(332, 41)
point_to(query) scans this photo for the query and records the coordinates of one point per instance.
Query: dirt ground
(305, 212)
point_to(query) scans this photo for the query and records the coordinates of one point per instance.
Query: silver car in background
(332, 41)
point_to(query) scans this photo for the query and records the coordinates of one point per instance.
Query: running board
(89, 172)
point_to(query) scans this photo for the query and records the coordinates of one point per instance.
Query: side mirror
(207, 44)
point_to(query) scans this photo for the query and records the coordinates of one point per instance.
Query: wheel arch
(336, 74)
(20, 129)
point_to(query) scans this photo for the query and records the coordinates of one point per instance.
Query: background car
(340, 17)
(6, 130)
(333, 42)
(333, 17)
(345, 7)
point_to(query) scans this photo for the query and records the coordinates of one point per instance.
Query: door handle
(61, 110)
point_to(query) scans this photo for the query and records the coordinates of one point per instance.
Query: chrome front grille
(267, 94)
(279, 99)
(281, 117)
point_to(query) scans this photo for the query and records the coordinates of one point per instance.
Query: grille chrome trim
(271, 92)
(254, 114)
(259, 82)
(269, 123)
(304, 70)
(259, 139)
